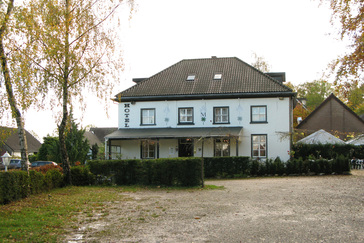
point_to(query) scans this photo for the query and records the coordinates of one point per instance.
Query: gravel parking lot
(284, 209)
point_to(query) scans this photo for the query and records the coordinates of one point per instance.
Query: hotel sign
(126, 114)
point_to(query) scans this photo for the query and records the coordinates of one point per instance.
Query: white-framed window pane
(221, 114)
(186, 115)
(222, 147)
(148, 149)
(148, 116)
(259, 114)
(259, 146)
(115, 152)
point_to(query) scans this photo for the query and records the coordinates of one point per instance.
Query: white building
(204, 108)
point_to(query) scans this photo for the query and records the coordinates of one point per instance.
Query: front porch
(150, 143)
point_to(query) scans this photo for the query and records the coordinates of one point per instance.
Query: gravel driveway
(284, 209)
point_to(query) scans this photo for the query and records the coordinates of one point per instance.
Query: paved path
(288, 209)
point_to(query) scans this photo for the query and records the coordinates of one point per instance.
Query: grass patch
(213, 187)
(44, 217)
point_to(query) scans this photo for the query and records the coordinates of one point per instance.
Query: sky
(294, 37)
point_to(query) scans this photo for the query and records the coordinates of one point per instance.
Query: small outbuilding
(321, 137)
(359, 140)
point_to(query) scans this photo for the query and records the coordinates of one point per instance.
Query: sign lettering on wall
(126, 114)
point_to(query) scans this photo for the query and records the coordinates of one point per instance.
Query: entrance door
(185, 147)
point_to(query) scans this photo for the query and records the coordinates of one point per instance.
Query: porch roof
(195, 132)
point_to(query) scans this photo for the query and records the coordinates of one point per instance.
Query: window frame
(228, 114)
(252, 115)
(141, 117)
(185, 122)
(222, 142)
(149, 144)
(259, 143)
(115, 154)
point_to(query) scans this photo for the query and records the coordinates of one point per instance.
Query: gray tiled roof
(10, 138)
(237, 77)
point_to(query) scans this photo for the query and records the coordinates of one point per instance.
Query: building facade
(204, 108)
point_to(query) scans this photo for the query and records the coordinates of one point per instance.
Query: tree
(14, 70)
(355, 99)
(94, 151)
(260, 63)
(76, 53)
(76, 145)
(49, 151)
(315, 92)
(349, 67)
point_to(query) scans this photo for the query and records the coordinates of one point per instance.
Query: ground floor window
(115, 152)
(148, 149)
(222, 147)
(259, 146)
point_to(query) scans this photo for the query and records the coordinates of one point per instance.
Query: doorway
(185, 147)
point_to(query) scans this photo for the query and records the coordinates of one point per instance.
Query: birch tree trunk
(9, 90)
(65, 83)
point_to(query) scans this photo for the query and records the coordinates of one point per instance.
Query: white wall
(277, 128)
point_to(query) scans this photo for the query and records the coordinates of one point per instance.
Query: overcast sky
(295, 37)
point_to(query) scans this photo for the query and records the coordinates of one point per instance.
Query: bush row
(164, 172)
(328, 151)
(230, 167)
(16, 184)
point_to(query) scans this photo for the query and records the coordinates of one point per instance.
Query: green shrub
(81, 176)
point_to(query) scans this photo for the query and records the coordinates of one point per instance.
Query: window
(185, 116)
(115, 152)
(148, 149)
(191, 77)
(148, 117)
(218, 76)
(222, 147)
(221, 115)
(258, 114)
(259, 146)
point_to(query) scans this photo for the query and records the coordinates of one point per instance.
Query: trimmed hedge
(15, 185)
(226, 167)
(328, 151)
(232, 167)
(165, 172)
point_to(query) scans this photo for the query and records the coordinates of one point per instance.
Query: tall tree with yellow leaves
(76, 43)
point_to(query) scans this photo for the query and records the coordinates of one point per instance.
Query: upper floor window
(258, 114)
(185, 115)
(147, 116)
(222, 147)
(221, 115)
(259, 146)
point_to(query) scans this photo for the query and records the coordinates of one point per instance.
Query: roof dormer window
(218, 76)
(191, 77)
